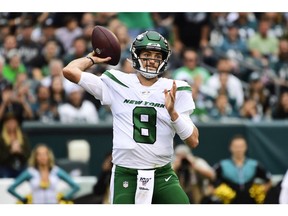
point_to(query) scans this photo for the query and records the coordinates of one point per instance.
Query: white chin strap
(149, 74)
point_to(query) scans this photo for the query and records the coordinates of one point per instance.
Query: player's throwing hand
(98, 60)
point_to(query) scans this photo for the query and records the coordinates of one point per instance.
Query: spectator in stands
(224, 81)
(28, 48)
(43, 110)
(246, 21)
(217, 22)
(13, 66)
(23, 89)
(281, 65)
(232, 43)
(217, 25)
(280, 111)
(283, 197)
(79, 49)
(9, 104)
(237, 177)
(49, 52)
(234, 48)
(77, 110)
(222, 109)
(190, 68)
(250, 111)
(10, 43)
(14, 148)
(261, 95)
(55, 69)
(190, 30)
(57, 91)
(4, 31)
(262, 46)
(48, 29)
(194, 173)
(67, 34)
(43, 177)
(277, 24)
(87, 19)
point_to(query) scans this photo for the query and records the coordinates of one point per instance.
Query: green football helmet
(150, 40)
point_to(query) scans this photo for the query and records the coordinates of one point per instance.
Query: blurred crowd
(236, 63)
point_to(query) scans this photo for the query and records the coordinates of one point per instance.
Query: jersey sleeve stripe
(184, 88)
(111, 76)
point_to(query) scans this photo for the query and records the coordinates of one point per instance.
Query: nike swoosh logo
(167, 179)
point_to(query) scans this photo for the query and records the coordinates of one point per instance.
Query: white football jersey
(142, 130)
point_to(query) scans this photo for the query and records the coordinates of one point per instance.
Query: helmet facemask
(150, 40)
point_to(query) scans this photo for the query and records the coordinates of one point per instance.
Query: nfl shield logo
(125, 184)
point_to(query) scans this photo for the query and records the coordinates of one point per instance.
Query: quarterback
(147, 112)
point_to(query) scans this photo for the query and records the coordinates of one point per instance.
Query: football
(106, 44)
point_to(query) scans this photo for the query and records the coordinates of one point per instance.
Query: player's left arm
(181, 122)
(193, 139)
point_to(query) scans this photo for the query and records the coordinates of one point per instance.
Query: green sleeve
(24, 176)
(67, 178)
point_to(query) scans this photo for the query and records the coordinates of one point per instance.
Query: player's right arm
(75, 72)
(74, 69)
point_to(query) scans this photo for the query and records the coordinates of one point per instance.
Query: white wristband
(183, 127)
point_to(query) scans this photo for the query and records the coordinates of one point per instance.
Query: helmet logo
(154, 44)
(139, 37)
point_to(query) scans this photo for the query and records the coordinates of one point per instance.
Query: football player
(147, 112)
